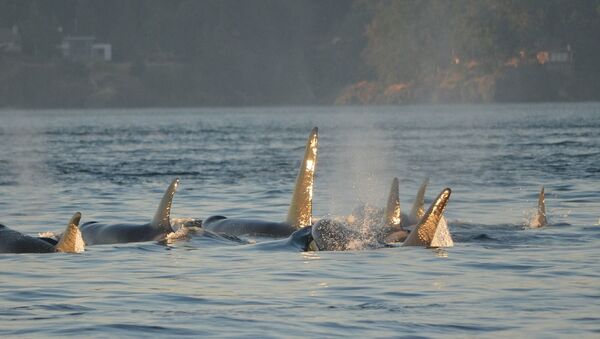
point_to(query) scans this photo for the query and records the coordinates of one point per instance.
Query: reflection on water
(499, 279)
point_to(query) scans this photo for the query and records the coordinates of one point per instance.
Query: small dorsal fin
(71, 240)
(392, 208)
(162, 217)
(418, 208)
(300, 211)
(540, 217)
(424, 233)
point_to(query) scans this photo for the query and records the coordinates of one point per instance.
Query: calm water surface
(113, 165)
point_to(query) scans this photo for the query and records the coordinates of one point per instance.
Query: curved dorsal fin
(162, 217)
(424, 233)
(540, 217)
(71, 240)
(300, 211)
(418, 208)
(392, 208)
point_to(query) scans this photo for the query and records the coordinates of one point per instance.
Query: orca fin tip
(75, 219)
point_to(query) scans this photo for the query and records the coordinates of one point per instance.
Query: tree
(39, 31)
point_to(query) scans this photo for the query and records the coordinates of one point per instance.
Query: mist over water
(114, 165)
(359, 163)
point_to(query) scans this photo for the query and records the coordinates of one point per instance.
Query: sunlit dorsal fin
(71, 240)
(442, 236)
(540, 218)
(392, 208)
(162, 217)
(424, 232)
(300, 212)
(418, 208)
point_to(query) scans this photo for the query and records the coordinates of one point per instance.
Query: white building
(85, 49)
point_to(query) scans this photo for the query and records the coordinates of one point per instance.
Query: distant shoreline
(62, 84)
(275, 107)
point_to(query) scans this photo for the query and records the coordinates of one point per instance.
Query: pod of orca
(384, 227)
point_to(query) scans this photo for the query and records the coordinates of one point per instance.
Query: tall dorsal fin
(300, 212)
(71, 240)
(424, 233)
(540, 217)
(392, 208)
(542, 204)
(418, 208)
(162, 217)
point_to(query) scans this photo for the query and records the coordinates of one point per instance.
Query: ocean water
(500, 279)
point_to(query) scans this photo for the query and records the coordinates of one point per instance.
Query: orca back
(95, 233)
(249, 227)
(12, 241)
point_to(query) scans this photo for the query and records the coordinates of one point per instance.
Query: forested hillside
(294, 52)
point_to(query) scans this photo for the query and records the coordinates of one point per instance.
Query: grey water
(500, 279)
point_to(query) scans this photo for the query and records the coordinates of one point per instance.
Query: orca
(443, 237)
(432, 231)
(324, 235)
(186, 227)
(393, 229)
(383, 222)
(95, 233)
(335, 235)
(390, 224)
(300, 210)
(331, 235)
(418, 208)
(12, 241)
(540, 220)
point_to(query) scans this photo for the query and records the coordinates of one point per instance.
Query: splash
(49, 235)
(338, 235)
(180, 234)
(179, 223)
